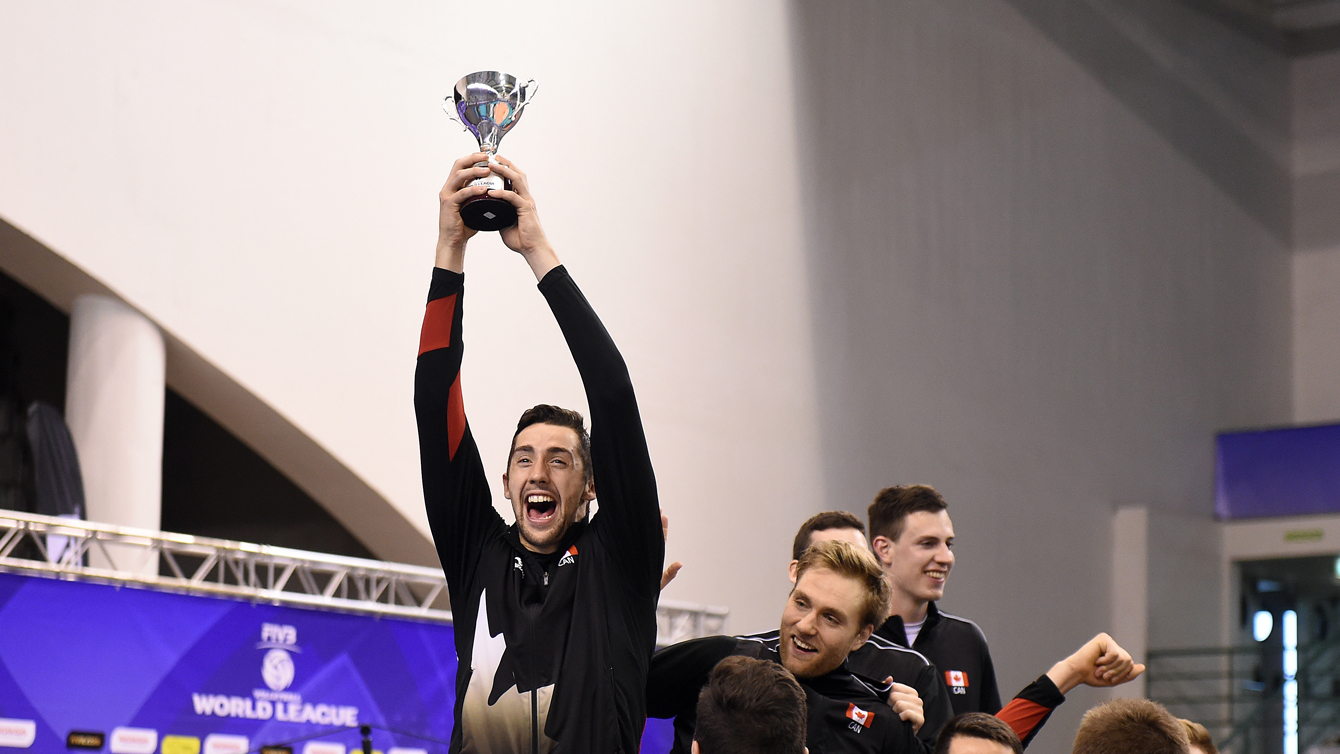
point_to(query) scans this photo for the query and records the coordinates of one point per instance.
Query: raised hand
(672, 570)
(452, 232)
(527, 236)
(1101, 662)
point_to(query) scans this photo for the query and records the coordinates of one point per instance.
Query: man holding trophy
(555, 615)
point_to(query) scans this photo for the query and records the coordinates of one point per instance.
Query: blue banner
(138, 671)
(153, 671)
(1278, 472)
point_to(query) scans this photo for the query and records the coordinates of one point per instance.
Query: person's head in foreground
(838, 599)
(977, 733)
(1199, 737)
(1130, 726)
(822, 527)
(750, 707)
(549, 475)
(913, 537)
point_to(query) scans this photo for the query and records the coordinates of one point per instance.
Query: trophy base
(488, 213)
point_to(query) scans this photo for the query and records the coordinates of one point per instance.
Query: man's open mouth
(801, 646)
(540, 508)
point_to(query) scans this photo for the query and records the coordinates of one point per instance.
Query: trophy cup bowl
(488, 104)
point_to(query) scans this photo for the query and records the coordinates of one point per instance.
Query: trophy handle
(449, 106)
(531, 88)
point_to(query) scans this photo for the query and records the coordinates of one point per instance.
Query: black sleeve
(455, 491)
(1028, 711)
(680, 671)
(990, 689)
(935, 705)
(629, 519)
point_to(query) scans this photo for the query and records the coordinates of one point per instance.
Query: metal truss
(84, 550)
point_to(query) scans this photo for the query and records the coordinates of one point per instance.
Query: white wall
(260, 179)
(1316, 265)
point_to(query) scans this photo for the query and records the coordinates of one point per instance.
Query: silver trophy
(488, 104)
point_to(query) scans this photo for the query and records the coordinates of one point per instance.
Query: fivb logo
(859, 718)
(277, 666)
(569, 557)
(957, 681)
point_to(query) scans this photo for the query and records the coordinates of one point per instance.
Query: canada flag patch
(859, 715)
(568, 557)
(956, 680)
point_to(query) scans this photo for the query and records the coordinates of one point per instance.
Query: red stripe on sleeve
(437, 321)
(1023, 716)
(455, 417)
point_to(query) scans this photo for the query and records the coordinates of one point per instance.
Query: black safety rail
(1238, 693)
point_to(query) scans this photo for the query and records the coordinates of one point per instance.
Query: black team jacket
(846, 714)
(957, 648)
(552, 649)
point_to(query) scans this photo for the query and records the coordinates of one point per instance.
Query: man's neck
(907, 607)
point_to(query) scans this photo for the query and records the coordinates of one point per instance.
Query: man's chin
(541, 539)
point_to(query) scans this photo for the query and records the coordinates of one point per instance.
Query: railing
(1237, 693)
(73, 549)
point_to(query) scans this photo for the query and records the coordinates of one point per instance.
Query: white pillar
(1130, 590)
(114, 405)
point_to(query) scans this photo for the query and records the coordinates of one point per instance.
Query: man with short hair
(913, 537)
(977, 733)
(839, 597)
(880, 659)
(750, 706)
(1123, 726)
(555, 615)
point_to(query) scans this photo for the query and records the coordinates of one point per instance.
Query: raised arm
(455, 490)
(629, 518)
(1101, 662)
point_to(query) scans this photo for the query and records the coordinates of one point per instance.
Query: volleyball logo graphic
(277, 669)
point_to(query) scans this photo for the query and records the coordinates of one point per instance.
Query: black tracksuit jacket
(846, 714)
(552, 649)
(957, 648)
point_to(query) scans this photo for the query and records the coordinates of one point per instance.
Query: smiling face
(917, 564)
(546, 483)
(821, 624)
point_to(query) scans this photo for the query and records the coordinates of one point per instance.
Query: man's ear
(589, 493)
(862, 638)
(507, 492)
(791, 570)
(695, 749)
(883, 547)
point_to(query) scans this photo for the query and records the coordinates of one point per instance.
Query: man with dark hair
(839, 597)
(977, 733)
(1123, 726)
(910, 674)
(827, 525)
(913, 537)
(541, 668)
(750, 707)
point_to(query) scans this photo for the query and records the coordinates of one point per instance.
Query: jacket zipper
(534, 721)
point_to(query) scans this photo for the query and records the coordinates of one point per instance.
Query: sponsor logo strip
(17, 734)
(134, 741)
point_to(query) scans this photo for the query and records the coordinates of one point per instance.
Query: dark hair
(978, 725)
(846, 559)
(1199, 736)
(1130, 725)
(888, 514)
(559, 417)
(751, 707)
(823, 522)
